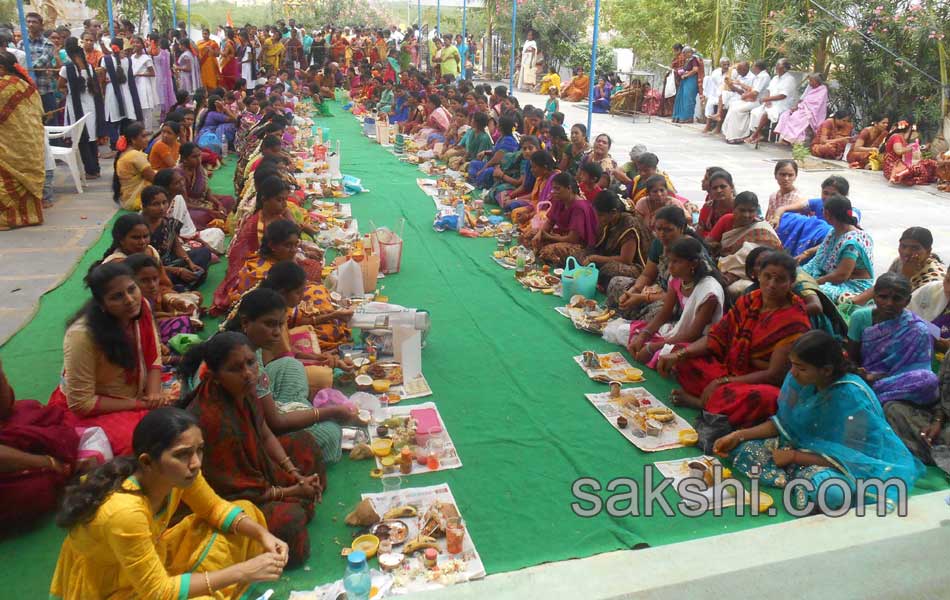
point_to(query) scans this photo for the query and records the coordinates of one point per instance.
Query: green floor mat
(498, 360)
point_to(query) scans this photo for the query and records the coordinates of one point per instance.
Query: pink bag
(540, 215)
(331, 397)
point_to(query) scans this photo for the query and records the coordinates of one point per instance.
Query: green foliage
(8, 12)
(580, 57)
(651, 27)
(800, 151)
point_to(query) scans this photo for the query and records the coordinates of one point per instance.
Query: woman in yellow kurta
(21, 147)
(208, 51)
(274, 51)
(120, 545)
(550, 80)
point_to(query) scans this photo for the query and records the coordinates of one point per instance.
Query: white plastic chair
(69, 154)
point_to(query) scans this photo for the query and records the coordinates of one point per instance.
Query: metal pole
(151, 22)
(514, 39)
(188, 17)
(465, 37)
(438, 17)
(25, 34)
(174, 16)
(111, 21)
(593, 65)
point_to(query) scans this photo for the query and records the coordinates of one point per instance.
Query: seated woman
(931, 302)
(867, 143)
(481, 170)
(833, 136)
(822, 312)
(523, 209)
(243, 459)
(130, 235)
(122, 545)
(694, 293)
(602, 92)
(720, 199)
(552, 79)
(291, 384)
(657, 195)
(843, 264)
(203, 206)
(807, 438)
(600, 154)
(575, 151)
(218, 120)
(173, 313)
(923, 428)
(437, 121)
(807, 113)
(577, 88)
(472, 143)
(185, 268)
(893, 346)
(801, 224)
(642, 298)
(38, 452)
(902, 162)
(915, 260)
(512, 178)
(271, 205)
(735, 370)
(735, 235)
(132, 171)
(570, 225)
(622, 240)
(112, 359)
(786, 172)
(165, 150)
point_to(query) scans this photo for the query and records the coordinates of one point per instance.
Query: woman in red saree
(230, 65)
(38, 450)
(902, 162)
(284, 477)
(271, 206)
(720, 199)
(111, 359)
(737, 368)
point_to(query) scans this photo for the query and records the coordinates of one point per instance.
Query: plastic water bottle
(357, 581)
(460, 213)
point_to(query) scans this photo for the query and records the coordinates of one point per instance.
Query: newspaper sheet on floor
(723, 496)
(640, 409)
(429, 413)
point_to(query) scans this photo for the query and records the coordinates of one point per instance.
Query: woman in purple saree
(893, 346)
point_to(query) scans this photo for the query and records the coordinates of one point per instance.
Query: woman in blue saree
(481, 171)
(893, 346)
(829, 427)
(685, 107)
(801, 225)
(602, 93)
(843, 264)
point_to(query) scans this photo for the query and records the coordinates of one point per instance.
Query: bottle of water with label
(357, 581)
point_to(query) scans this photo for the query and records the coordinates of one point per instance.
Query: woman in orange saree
(208, 51)
(21, 173)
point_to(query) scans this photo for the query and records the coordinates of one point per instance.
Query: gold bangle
(316, 415)
(52, 462)
(208, 583)
(237, 521)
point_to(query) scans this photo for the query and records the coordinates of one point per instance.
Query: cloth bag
(387, 245)
(578, 280)
(709, 428)
(540, 215)
(93, 443)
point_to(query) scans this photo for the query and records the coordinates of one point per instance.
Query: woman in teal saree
(829, 427)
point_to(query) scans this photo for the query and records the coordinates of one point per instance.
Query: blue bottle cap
(356, 558)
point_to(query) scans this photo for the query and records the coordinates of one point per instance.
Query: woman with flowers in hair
(21, 174)
(902, 162)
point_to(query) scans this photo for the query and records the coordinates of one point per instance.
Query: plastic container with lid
(356, 580)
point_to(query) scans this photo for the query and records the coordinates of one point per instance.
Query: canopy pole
(174, 16)
(111, 20)
(25, 34)
(593, 66)
(464, 36)
(514, 38)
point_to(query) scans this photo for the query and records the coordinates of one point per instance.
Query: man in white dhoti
(712, 92)
(782, 95)
(735, 125)
(734, 85)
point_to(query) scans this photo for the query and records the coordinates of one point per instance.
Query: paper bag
(370, 268)
(349, 279)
